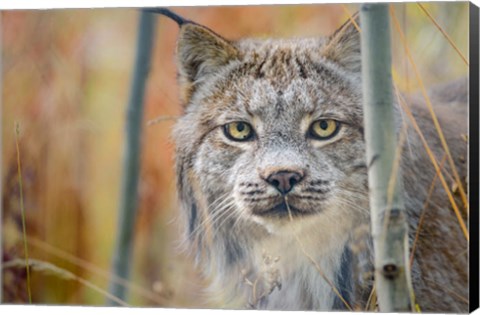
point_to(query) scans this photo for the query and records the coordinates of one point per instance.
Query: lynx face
(270, 158)
(269, 123)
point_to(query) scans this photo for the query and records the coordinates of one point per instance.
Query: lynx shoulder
(271, 174)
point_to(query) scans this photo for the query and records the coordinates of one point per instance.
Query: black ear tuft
(343, 47)
(202, 52)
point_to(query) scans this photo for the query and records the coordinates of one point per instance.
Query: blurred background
(66, 78)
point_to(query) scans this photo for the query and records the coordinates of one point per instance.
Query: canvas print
(227, 157)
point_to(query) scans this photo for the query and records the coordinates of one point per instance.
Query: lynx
(272, 179)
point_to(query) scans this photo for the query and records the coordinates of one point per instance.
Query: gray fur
(280, 87)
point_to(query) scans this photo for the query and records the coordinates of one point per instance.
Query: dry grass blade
(161, 119)
(430, 108)
(450, 41)
(315, 264)
(351, 18)
(49, 268)
(422, 216)
(437, 168)
(94, 269)
(22, 209)
(458, 296)
(343, 29)
(371, 304)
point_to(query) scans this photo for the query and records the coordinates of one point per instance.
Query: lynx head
(271, 130)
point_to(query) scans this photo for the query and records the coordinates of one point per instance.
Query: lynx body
(272, 179)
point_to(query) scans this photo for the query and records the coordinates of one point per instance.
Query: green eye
(324, 129)
(238, 131)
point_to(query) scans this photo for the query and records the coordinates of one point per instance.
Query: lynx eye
(324, 129)
(238, 131)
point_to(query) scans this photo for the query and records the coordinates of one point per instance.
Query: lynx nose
(284, 181)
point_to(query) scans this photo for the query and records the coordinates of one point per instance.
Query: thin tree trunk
(388, 215)
(131, 164)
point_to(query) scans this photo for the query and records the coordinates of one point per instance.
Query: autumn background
(66, 79)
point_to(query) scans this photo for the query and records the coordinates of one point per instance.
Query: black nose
(284, 181)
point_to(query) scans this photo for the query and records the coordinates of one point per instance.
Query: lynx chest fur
(272, 180)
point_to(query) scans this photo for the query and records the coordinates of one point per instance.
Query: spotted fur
(237, 225)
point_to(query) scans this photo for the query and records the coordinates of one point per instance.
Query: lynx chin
(271, 174)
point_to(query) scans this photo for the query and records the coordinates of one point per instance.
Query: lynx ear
(343, 47)
(201, 52)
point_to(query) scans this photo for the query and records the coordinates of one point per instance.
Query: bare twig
(131, 163)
